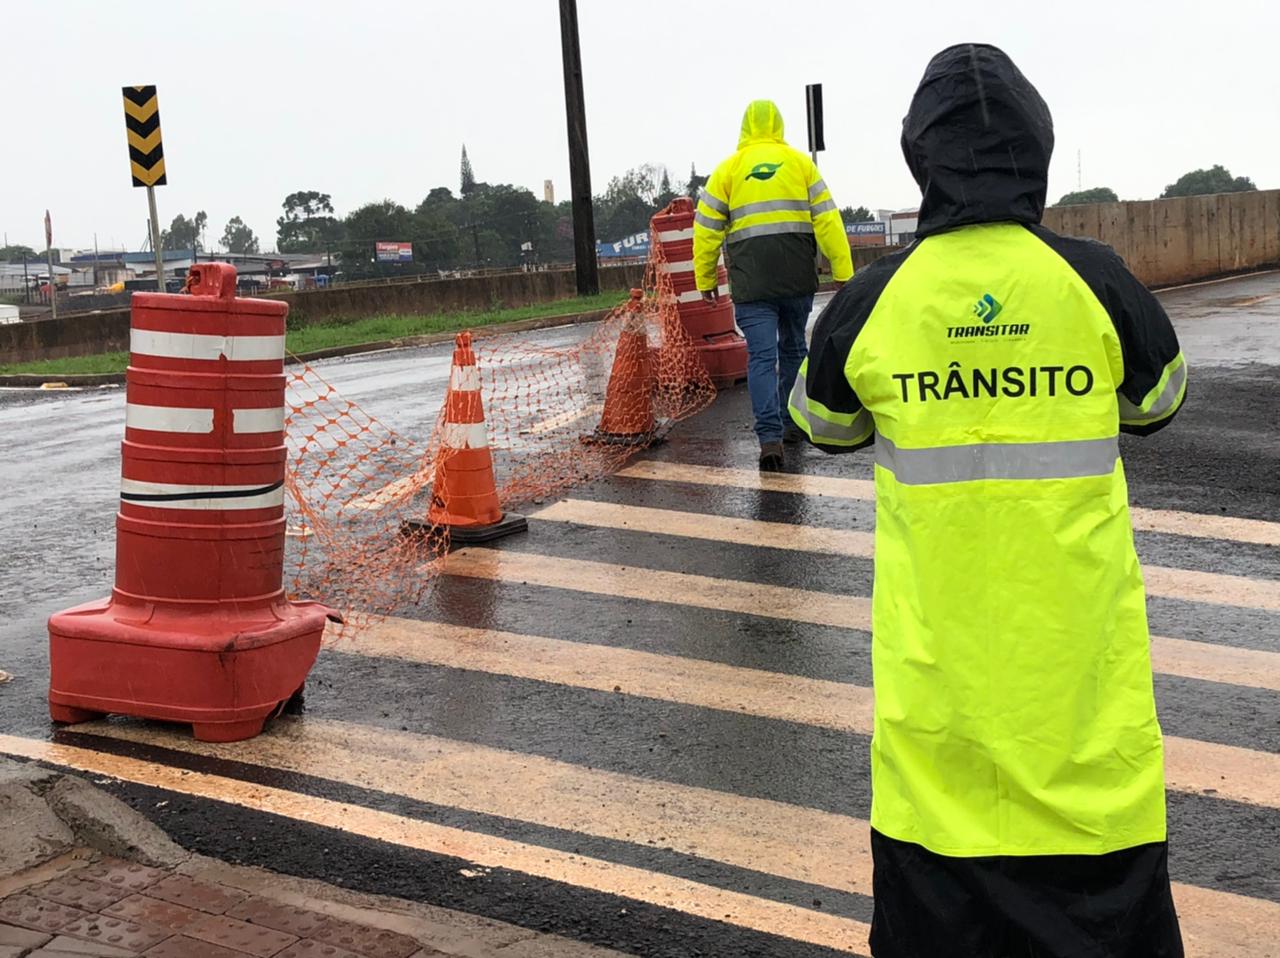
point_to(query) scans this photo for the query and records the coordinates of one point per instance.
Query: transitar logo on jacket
(1011, 381)
(987, 309)
(763, 171)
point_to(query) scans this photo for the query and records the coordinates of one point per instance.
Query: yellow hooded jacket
(769, 204)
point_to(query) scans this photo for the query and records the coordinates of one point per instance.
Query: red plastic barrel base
(725, 358)
(223, 670)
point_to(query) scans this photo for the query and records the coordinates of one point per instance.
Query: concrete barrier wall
(1166, 242)
(108, 331)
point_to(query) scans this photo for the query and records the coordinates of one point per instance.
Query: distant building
(901, 225)
(549, 192)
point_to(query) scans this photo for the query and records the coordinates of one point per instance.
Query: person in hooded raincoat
(1018, 801)
(769, 205)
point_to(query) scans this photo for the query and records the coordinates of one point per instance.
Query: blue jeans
(774, 329)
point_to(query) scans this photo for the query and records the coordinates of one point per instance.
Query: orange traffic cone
(464, 497)
(628, 405)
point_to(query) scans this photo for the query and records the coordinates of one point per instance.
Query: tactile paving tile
(27, 911)
(180, 946)
(310, 948)
(153, 911)
(116, 932)
(286, 918)
(64, 947)
(79, 893)
(239, 935)
(122, 874)
(193, 893)
(368, 942)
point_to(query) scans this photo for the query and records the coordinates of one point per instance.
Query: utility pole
(584, 228)
(95, 262)
(26, 280)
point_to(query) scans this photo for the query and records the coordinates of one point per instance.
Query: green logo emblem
(987, 308)
(763, 171)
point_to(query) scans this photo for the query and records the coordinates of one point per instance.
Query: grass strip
(373, 329)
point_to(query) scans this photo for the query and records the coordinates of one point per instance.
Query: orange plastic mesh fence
(560, 408)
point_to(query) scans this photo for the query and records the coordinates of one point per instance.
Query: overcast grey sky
(373, 100)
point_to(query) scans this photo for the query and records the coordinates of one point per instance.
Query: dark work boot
(770, 457)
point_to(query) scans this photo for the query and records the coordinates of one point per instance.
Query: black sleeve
(823, 403)
(1155, 372)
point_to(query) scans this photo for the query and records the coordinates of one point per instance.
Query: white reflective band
(1161, 406)
(769, 229)
(168, 418)
(257, 420)
(671, 236)
(1069, 459)
(151, 342)
(717, 204)
(693, 296)
(768, 206)
(172, 495)
(465, 435)
(685, 267)
(817, 189)
(465, 378)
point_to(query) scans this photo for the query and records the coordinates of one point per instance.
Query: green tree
(308, 224)
(1099, 194)
(15, 252)
(366, 226)
(1216, 179)
(238, 238)
(183, 233)
(859, 215)
(467, 176)
(695, 184)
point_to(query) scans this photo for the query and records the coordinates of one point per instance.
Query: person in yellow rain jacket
(770, 208)
(1018, 799)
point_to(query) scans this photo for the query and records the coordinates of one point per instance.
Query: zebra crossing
(654, 711)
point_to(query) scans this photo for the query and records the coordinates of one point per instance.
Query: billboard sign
(635, 245)
(394, 252)
(865, 229)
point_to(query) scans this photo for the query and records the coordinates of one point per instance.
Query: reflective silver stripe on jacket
(712, 224)
(767, 229)
(826, 206)
(719, 205)
(817, 190)
(1072, 459)
(1132, 415)
(766, 206)
(855, 428)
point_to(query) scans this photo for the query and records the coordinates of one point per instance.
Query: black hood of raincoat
(978, 139)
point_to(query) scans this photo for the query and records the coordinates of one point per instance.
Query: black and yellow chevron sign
(142, 121)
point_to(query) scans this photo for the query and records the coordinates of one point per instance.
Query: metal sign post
(48, 252)
(146, 156)
(813, 102)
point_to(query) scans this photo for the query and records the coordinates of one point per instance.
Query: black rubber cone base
(509, 524)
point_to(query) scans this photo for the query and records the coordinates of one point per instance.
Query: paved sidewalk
(82, 875)
(88, 904)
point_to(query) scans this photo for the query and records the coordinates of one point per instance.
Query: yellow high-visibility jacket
(769, 205)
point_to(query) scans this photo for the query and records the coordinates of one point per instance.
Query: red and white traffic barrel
(197, 628)
(720, 345)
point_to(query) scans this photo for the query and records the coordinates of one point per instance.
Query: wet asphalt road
(532, 746)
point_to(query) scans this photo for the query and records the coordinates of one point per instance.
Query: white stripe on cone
(466, 378)
(168, 418)
(152, 342)
(137, 487)
(465, 435)
(257, 420)
(672, 236)
(685, 267)
(694, 296)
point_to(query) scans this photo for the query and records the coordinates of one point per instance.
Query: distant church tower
(549, 192)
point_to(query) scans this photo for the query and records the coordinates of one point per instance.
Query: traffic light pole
(584, 230)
